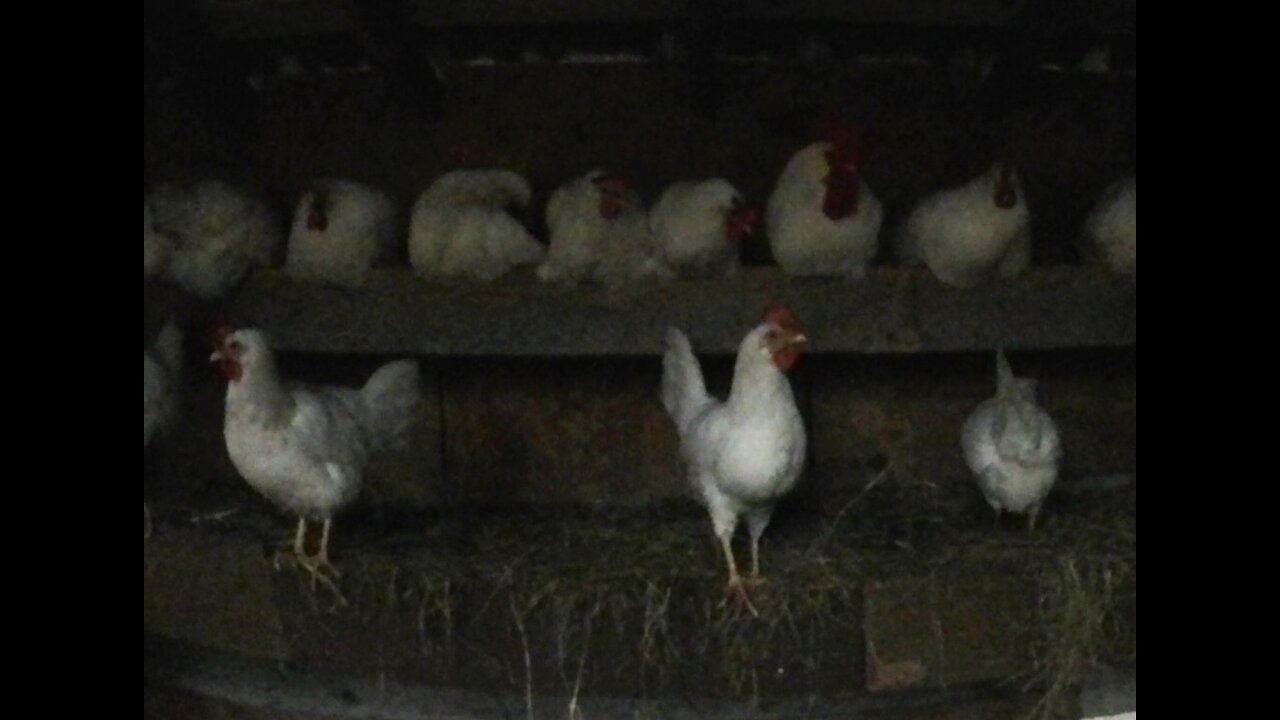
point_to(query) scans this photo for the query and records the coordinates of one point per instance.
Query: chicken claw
(738, 590)
(317, 565)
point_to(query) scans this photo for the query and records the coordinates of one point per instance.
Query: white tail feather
(393, 396)
(684, 394)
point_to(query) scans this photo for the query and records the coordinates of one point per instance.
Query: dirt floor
(628, 603)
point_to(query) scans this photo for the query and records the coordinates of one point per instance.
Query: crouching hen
(743, 454)
(304, 447)
(969, 233)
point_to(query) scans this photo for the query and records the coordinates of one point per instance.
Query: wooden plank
(278, 18)
(936, 632)
(891, 312)
(211, 590)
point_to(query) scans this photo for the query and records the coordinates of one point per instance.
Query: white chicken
(218, 234)
(305, 447)
(599, 232)
(156, 247)
(1012, 446)
(1111, 228)
(698, 228)
(969, 233)
(460, 226)
(161, 382)
(743, 454)
(341, 229)
(822, 218)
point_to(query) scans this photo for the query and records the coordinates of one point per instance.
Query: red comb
(610, 181)
(843, 135)
(780, 315)
(219, 332)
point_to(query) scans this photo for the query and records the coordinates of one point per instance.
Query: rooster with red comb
(822, 218)
(742, 454)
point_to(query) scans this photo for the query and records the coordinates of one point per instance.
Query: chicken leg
(757, 521)
(317, 564)
(737, 587)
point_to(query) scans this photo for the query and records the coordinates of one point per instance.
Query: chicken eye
(236, 346)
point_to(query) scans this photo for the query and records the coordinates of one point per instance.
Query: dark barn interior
(536, 550)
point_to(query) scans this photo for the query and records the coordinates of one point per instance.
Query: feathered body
(1012, 446)
(306, 447)
(743, 454)
(599, 232)
(156, 247)
(822, 218)
(460, 226)
(341, 229)
(969, 233)
(698, 228)
(218, 233)
(1111, 227)
(161, 383)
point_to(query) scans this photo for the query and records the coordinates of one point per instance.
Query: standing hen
(599, 232)
(1012, 446)
(698, 228)
(743, 454)
(340, 230)
(968, 233)
(822, 218)
(304, 447)
(461, 228)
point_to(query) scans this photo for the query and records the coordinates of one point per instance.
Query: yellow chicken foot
(318, 565)
(320, 561)
(737, 587)
(755, 563)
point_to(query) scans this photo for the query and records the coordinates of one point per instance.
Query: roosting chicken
(698, 228)
(969, 233)
(305, 447)
(461, 228)
(599, 232)
(1012, 446)
(218, 233)
(1111, 229)
(341, 229)
(161, 380)
(743, 454)
(822, 217)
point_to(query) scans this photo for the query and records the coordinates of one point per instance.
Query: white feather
(218, 232)
(586, 246)
(688, 228)
(306, 447)
(743, 454)
(964, 237)
(460, 226)
(1012, 446)
(360, 234)
(804, 240)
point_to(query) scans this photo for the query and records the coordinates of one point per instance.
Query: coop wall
(591, 430)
